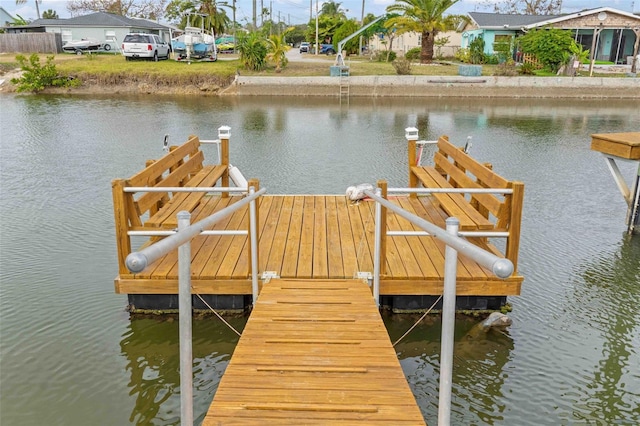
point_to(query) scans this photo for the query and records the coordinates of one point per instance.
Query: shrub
(252, 48)
(550, 45)
(507, 69)
(385, 56)
(476, 51)
(413, 54)
(527, 68)
(463, 55)
(402, 66)
(36, 77)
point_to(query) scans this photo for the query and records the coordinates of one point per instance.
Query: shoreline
(375, 86)
(440, 87)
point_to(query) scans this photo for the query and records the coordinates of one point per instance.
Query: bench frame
(182, 166)
(478, 211)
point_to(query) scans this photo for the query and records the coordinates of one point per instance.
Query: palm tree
(332, 8)
(422, 16)
(50, 14)
(277, 51)
(37, 5)
(205, 13)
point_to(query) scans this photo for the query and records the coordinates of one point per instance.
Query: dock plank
(320, 262)
(338, 368)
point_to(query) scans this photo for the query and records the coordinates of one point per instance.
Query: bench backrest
(173, 169)
(462, 171)
(459, 170)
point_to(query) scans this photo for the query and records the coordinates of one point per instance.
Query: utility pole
(317, 28)
(255, 21)
(361, 25)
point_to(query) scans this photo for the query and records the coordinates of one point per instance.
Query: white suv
(140, 45)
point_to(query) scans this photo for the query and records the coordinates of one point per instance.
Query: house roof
(98, 19)
(501, 20)
(504, 21)
(583, 13)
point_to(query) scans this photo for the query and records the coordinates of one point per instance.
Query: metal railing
(181, 239)
(501, 267)
(139, 260)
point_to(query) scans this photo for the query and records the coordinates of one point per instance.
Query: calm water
(70, 355)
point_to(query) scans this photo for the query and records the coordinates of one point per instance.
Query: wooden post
(256, 186)
(515, 223)
(121, 217)
(382, 184)
(224, 160)
(411, 150)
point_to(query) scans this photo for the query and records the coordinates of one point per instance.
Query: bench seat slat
(454, 204)
(175, 177)
(489, 201)
(166, 217)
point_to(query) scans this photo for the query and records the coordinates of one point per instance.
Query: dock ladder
(344, 83)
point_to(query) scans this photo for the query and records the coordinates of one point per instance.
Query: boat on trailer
(85, 45)
(195, 44)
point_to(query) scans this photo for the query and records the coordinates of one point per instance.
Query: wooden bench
(453, 168)
(182, 166)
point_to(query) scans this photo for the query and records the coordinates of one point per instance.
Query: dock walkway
(313, 352)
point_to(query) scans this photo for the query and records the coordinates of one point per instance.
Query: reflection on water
(478, 367)
(69, 354)
(151, 347)
(612, 293)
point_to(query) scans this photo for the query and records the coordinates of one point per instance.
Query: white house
(100, 26)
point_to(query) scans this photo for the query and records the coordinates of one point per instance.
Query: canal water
(70, 354)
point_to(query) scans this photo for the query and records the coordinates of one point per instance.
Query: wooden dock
(314, 352)
(318, 237)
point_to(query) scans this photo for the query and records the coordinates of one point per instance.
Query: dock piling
(448, 326)
(184, 297)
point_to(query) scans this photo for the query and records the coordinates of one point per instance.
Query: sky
(298, 11)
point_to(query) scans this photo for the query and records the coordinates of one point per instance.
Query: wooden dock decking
(314, 352)
(318, 237)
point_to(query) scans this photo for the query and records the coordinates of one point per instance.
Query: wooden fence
(31, 43)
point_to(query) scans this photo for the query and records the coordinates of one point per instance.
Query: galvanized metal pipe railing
(501, 267)
(137, 261)
(450, 190)
(230, 189)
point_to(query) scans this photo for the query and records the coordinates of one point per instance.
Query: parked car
(327, 49)
(150, 46)
(304, 47)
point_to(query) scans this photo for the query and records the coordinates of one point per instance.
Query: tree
(421, 16)
(253, 51)
(277, 51)
(343, 31)
(19, 21)
(151, 9)
(332, 8)
(552, 46)
(50, 14)
(526, 7)
(37, 5)
(207, 14)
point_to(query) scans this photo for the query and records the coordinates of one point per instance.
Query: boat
(194, 43)
(85, 44)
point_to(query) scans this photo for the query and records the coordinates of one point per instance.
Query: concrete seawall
(440, 86)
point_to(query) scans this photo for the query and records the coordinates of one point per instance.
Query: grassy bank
(112, 73)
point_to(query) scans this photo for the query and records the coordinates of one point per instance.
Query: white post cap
(224, 132)
(411, 133)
